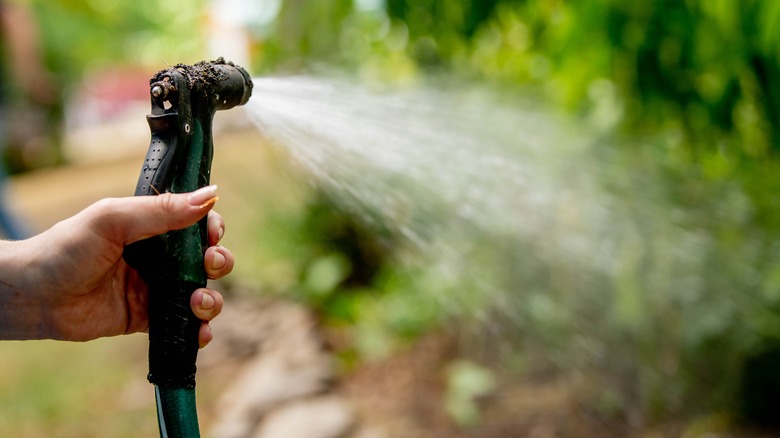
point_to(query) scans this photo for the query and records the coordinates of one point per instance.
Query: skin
(71, 283)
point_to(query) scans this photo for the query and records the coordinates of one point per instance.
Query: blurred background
(678, 98)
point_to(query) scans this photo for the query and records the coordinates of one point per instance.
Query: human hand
(71, 283)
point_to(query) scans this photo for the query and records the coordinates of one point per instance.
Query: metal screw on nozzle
(157, 91)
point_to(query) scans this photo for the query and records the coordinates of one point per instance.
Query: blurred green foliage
(89, 36)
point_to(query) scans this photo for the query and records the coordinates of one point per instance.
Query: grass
(61, 389)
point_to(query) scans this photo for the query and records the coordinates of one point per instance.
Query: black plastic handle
(156, 177)
(173, 335)
(158, 169)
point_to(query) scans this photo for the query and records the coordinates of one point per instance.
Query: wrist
(22, 309)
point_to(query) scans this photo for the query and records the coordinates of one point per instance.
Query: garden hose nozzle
(184, 99)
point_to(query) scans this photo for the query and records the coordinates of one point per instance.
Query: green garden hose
(176, 413)
(184, 99)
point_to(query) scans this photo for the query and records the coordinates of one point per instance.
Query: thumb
(130, 219)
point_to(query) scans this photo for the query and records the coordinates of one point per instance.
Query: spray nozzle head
(211, 85)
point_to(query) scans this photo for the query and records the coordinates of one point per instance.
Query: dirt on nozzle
(203, 75)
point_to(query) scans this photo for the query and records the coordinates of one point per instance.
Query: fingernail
(219, 261)
(220, 233)
(206, 302)
(202, 196)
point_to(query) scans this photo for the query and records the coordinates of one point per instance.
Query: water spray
(184, 99)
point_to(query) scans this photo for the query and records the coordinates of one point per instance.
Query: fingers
(206, 304)
(218, 262)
